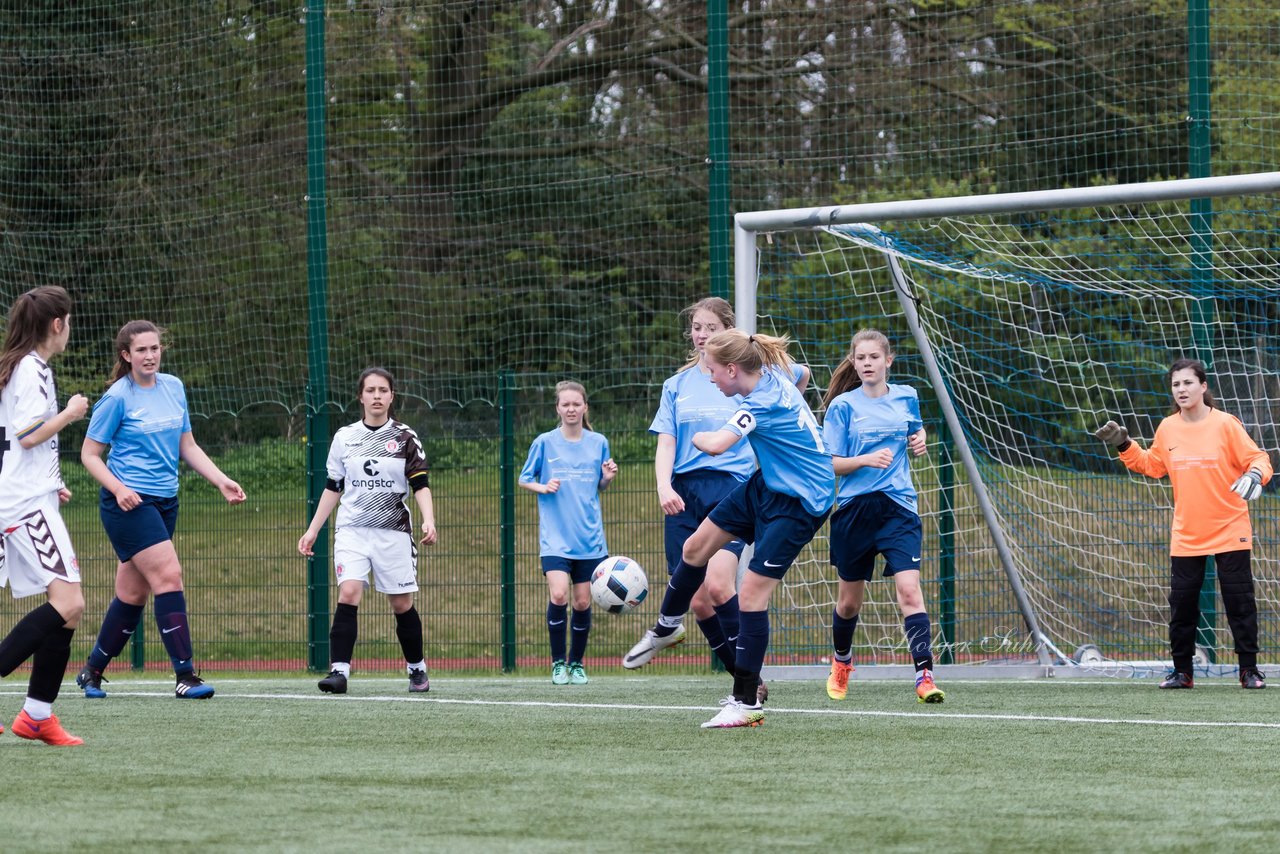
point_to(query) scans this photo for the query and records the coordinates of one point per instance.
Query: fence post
(507, 489)
(1199, 158)
(720, 217)
(317, 337)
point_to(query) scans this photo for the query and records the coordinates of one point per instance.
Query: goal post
(1025, 320)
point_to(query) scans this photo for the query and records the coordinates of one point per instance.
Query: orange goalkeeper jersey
(1203, 458)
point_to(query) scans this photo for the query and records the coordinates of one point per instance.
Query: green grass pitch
(621, 764)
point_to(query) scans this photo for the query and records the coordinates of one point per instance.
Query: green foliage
(273, 465)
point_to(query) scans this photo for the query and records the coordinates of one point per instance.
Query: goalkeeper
(1214, 468)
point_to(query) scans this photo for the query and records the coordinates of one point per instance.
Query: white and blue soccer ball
(618, 584)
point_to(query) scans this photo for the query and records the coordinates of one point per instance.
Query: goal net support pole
(943, 393)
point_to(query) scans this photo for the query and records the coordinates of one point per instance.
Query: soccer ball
(618, 584)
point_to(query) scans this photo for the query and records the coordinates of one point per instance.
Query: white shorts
(35, 548)
(391, 555)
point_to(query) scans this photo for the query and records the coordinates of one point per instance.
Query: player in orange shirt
(1214, 468)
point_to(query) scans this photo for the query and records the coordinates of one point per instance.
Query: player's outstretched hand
(1112, 433)
(1249, 485)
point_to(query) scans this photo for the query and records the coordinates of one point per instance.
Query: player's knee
(71, 612)
(704, 603)
(718, 590)
(695, 555)
(910, 600)
(68, 601)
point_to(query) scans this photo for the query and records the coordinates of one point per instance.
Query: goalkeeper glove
(1249, 485)
(1113, 434)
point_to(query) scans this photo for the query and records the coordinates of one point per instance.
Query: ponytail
(751, 353)
(29, 320)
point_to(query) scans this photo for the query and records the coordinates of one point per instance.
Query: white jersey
(29, 400)
(373, 468)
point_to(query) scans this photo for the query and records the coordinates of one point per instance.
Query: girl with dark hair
(35, 550)
(1215, 468)
(144, 420)
(373, 465)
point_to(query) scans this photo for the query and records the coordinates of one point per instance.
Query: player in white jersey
(373, 465)
(35, 550)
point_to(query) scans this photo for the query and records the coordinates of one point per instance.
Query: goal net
(1036, 317)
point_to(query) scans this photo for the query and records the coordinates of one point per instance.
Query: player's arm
(548, 488)
(880, 459)
(328, 500)
(802, 376)
(531, 473)
(608, 468)
(193, 455)
(1255, 462)
(608, 471)
(91, 452)
(918, 443)
(422, 497)
(418, 477)
(917, 440)
(715, 442)
(664, 466)
(839, 438)
(75, 409)
(1134, 456)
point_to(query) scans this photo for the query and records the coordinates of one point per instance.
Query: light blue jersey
(569, 520)
(856, 424)
(691, 403)
(144, 427)
(784, 434)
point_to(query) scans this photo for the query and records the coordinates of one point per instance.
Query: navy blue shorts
(778, 524)
(701, 491)
(153, 521)
(869, 525)
(579, 569)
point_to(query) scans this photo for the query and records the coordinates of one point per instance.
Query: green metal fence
(486, 198)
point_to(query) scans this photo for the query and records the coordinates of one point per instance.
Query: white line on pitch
(548, 704)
